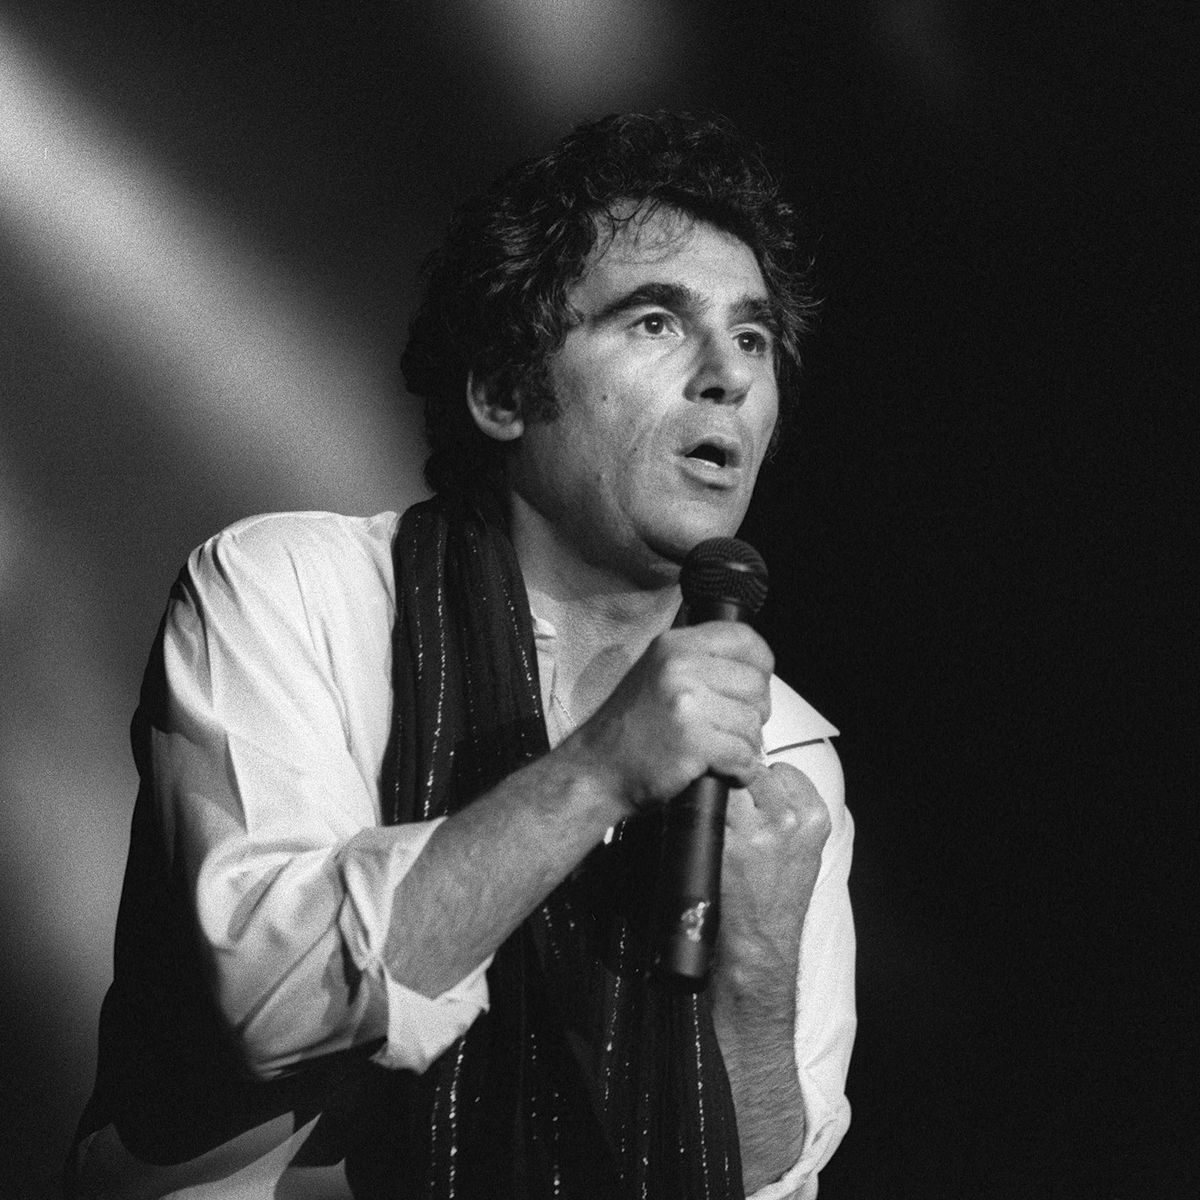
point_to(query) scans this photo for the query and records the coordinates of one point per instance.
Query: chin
(675, 544)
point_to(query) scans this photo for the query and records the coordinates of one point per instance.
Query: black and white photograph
(593, 601)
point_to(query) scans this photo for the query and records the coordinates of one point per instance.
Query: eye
(655, 323)
(752, 342)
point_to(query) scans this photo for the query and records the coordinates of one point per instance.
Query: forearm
(488, 866)
(754, 1017)
(775, 835)
(404, 905)
(693, 702)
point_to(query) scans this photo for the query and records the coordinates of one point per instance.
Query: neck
(604, 620)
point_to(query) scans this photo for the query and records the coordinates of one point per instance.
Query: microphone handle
(690, 881)
(690, 870)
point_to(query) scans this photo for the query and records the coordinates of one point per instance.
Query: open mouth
(710, 453)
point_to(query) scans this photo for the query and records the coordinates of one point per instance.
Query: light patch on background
(249, 371)
(261, 392)
(566, 59)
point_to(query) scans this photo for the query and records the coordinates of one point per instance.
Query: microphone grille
(724, 569)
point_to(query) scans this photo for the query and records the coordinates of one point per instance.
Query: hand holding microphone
(722, 579)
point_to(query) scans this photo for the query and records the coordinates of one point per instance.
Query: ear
(496, 412)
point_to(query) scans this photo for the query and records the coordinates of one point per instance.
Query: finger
(709, 713)
(732, 640)
(786, 797)
(740, 810)
(781, 785)
(733, 754)
(740, 683)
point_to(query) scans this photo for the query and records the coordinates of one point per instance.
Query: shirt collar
(793, 720)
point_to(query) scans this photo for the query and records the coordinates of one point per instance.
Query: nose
(722, 373)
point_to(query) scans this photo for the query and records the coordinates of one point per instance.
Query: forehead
(668, 246)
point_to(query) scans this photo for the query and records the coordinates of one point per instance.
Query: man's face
(667, 399)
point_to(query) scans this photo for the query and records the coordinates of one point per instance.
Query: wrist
(595, 790)
(596, 768)
(753, 978)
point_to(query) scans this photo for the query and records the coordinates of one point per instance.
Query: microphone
(722, 579)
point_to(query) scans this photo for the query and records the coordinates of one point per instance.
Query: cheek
(612, 435)
(768, 427)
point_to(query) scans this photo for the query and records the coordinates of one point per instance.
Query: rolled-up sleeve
(266, 753)
(825, 1005)
(418, 1028)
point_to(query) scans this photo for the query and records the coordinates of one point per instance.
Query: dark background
(211, 218)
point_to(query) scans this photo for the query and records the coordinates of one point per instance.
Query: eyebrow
(680, 298)
(757, 310)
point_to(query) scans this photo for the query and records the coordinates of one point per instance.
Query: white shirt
(267, 770)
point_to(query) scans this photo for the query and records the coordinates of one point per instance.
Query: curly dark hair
(495, 301)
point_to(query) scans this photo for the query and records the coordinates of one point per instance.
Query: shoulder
(309, 552)
(308, 570)
(314, 541)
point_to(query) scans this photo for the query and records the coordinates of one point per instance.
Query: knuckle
(672, 688)
(804, 812)
(789, 820)
(682, 702)
(812, 820)
(676, 668)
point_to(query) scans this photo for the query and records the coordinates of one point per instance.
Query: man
(388, 926)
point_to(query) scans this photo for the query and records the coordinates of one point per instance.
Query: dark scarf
(587, 1079)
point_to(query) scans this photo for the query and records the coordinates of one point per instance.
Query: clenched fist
(774, 834)
(694, 702)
